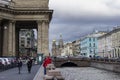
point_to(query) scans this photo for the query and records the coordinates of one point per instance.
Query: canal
(88, 73)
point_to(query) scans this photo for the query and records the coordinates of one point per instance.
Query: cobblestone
(88, 73)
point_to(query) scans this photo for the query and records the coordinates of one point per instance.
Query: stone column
(39, 37)
(10, 40)
(5, 40)
(0, 37)
(45, 38)
(14, 39)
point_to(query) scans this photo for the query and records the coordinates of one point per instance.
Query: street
(12, 74)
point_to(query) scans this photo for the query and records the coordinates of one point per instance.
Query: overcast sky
(75, 18)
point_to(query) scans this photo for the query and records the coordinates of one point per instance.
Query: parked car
(4, 62)
(1, 62)
(8, 61)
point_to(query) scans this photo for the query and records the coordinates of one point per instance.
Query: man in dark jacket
(29, 65)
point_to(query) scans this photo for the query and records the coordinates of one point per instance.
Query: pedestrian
(19, 65)
(29, 65)
(47, 61)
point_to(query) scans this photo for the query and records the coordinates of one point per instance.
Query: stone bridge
(73, 62)
(111, 65)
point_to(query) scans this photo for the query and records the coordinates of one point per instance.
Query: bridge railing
(107, 60)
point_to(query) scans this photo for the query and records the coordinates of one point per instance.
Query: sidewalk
(40, 74)
(12, 74)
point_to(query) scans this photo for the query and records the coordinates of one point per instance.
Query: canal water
(88, 73)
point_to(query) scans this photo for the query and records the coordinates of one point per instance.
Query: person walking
(29, 65)
(19, 64)
(47, 61)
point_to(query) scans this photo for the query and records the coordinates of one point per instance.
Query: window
(93, 39)
(90, 45)
(22, 45)
(28, 42)
(94, 44)
(22, 42)
(28, 39)
(89, 39)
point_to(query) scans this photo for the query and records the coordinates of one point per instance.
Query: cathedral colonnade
(31, 14)
(9, 37)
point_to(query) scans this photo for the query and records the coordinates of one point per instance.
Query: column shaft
(14, 40)
(10, 40)
(39, 37)
(45, 38)
(5, 40)
(1, 37)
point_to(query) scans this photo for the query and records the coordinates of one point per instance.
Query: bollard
(59, 78)
(46, 77)
(50, 67)
(54, 73)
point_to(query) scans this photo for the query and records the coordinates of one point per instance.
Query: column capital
(12, 21)
(46, 21)
(41, 21)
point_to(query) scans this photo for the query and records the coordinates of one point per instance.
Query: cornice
(26, 12)
(31, 11)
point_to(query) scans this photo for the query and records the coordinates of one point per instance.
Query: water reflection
(88, 73)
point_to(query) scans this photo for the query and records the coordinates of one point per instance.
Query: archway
(69, 64)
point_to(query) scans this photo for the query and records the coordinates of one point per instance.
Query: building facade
(68, 49)
(27, 42)
(109, 44)
(76, 47)
(116, 42)
(89, 44)
(105, 45)
(57, 47)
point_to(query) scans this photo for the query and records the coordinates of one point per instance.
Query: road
(12, 74)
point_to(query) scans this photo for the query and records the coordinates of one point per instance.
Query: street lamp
(5, 27)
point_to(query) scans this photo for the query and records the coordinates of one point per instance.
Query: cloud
(85, 8)
(75, 18)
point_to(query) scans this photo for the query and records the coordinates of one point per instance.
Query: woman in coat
(47, 61)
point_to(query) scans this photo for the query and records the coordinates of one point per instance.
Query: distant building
(109, 44)
(54, 48)
(57, 48)
(27, 42)
(89, 44)
(76, 47)
(105, 45)
(68, 49)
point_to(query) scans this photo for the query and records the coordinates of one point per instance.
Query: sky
(76, 18)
